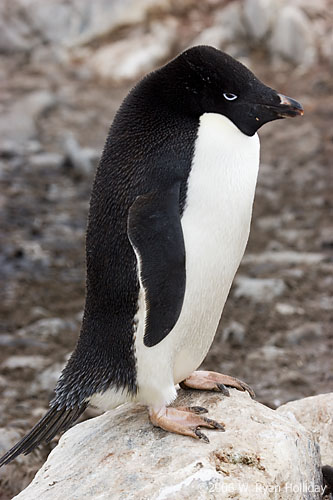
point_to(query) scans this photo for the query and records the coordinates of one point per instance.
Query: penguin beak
(264, 105)
(288, 107)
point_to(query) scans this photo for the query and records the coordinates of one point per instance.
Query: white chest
(221, 189)
(215, 223)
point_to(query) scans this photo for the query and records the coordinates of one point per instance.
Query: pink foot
(184, 420)
(212, 381)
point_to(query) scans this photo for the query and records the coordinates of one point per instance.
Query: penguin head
(203, 79)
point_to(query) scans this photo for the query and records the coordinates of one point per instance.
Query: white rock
(8, 437)
(216, 36)
(266, 354)
(284, 257)
(227, 29)
(312, 8)
(34, 253)
(316, 415)
(269, 222)
(16, 125)
(80, 21)
(288, 309)
(9, 149)
(46, 160)
(231, 17)
(19, 122)
(38, 312)
(130, 58)
(33, 146)
(83, 160)
(307, 331)
(15, 34)
(47, 379)
(293, 37)
(48, 327)
(38, 102)
(16, 362)
(120, 455)
(259, 15)
(18, 477)
(274, 246)
(295, 237)
(10, 340)
(259, 289)
(234, 333)
(11, 40)
(326, 237)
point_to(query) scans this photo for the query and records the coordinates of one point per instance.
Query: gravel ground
(276, 330)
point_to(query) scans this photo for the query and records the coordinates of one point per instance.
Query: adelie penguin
(169, 221)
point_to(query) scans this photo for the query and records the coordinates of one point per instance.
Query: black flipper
(45, 430)
(155, 232)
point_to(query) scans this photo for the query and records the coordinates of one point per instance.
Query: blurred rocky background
(65, 67)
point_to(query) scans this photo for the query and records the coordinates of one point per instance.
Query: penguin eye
(229, 97)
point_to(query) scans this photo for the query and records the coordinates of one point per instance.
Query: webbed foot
(212, 381)
(183, 420)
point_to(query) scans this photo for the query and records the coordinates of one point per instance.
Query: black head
(205, 80)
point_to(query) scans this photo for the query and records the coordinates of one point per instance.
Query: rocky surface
(27, 24)
(316, 415)
(55, 110)
(120, 455)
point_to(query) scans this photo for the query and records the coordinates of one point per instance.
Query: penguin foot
(198, 410)
(212, 381)
(183, 420)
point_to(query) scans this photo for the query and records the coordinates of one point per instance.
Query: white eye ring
(229, 97)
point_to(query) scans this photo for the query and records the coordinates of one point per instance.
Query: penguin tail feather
(54, 421)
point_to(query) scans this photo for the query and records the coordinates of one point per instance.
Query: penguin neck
(224, 173)
(223, 125)
(231, 152)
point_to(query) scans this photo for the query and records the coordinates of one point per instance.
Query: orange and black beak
(270, 106)
(288, 107)
(259, 106)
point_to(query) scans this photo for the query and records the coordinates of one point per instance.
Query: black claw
(198, 409)
(201, 435)
(249, 389)
(243, 387)
(214, 424)
(222, 388)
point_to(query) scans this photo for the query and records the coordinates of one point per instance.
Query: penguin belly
(215, 223)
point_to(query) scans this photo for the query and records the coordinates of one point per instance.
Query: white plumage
(216, 224)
